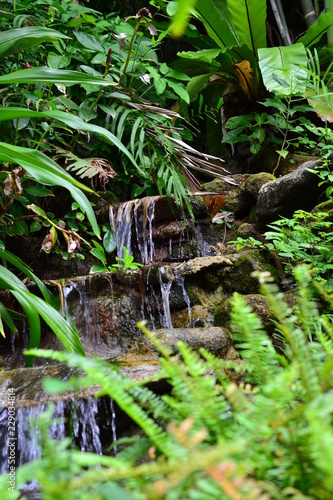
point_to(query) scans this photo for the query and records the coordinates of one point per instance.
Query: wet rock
(200, 264)
(297, 190)
(237, 198)
(259, 304)
(215, 339)
(201, 316)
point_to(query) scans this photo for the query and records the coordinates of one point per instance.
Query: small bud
(108, 59)
(27, 65)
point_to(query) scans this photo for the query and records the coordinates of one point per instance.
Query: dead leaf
(49, 241)
(152, 29)
(74, 243)
(248, 78)
(323, 104)
(12, 183)
(213, 203)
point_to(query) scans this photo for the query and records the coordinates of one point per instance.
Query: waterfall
(82, 415)
(165, 292)
(180, 281)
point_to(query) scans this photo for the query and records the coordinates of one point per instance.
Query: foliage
(34, 307)
(123, 263)
(98, 95)
(234, 55)
(286, 125)
(305, 238)
(269, 436)
(324, 173)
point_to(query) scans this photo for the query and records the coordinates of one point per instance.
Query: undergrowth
(267, 436)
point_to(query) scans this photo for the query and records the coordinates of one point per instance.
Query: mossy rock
(327, 207)
(255, 181)
(259, 304)
(239, 277)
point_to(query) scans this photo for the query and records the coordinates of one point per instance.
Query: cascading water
(82, 415)
(107, 314)
(133, 221)
(86, 429)
(180, 281)
(165, 292)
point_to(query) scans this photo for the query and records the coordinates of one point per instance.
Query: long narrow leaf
(46, 171)
(71, 121)
(66, 332)
(317, 30)
(4, 314)
(17, 262)
(44, 75)
(33, 321)
(18, 39)
(35, 306)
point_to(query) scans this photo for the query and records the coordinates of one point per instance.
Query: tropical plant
(267, 436)
(123, 263)
(235, 56)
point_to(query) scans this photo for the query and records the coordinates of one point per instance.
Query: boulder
(295, 191)
(216, 340)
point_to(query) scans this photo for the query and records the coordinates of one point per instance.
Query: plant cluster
(84, 97)
(269, 436)
(304, 238)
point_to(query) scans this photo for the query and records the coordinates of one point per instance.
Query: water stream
(139, 228)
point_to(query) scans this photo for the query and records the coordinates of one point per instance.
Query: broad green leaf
(110, 241)
(98, 268)
(35, 226)
(205, 55)
(46, 76)
(217, 20)
(38, 191)
(171, 73)
(317, 30)
(37, 210)
(159, 81)
(57, 61)
(284, 63)
(98, 253)
(21, 228)
(196, 84)
(180, 90)
(249, 19)
(88, 41)
(18, 39)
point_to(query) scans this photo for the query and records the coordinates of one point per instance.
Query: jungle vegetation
(95, 101)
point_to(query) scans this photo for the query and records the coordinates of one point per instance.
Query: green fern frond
(253, 342)
(326, 337)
